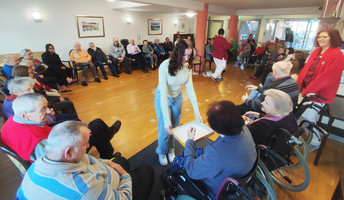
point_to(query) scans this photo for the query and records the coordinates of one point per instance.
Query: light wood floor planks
(130, 99)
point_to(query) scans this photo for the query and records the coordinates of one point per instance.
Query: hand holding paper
(191, 133)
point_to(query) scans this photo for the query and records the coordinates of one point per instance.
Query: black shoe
(214, 79)
(97, 80)
(219, 79)
(127, 72)
(117, 154)
(115, 75)
(145, 71)
(83, 83)
(106, 78)
(115, 128)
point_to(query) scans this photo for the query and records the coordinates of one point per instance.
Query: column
(201, 26)
(330, 14)
(233, 28)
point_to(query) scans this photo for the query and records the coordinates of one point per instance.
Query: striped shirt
(88, 179)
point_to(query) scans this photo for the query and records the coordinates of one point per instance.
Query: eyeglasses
(323, 37)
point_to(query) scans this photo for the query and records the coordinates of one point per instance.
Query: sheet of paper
(202, 131)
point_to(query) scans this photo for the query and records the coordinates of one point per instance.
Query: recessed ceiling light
(190, 14)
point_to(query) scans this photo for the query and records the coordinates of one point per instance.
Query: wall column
(233, 28)
(200, 37)
(330, 14)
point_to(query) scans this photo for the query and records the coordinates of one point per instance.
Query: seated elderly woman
(56, 101)
(278, 108)
(232, 154)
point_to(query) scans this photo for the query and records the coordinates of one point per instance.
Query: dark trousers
(267, 71)
(115, 62)
(142, 178)
(59, 74)
(243, 108)
(63, 107)
(100, 138)
(101, 66)
(49, 81)
(140, 59)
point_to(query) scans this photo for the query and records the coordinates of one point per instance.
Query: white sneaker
(171, 156)
(163, 159)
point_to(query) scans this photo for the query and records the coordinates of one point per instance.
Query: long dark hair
(176, 61)
(47, 47)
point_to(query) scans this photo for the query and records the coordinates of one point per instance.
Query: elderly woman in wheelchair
(232, 154)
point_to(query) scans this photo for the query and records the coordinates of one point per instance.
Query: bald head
(281, 69)
(11, 60)
(77, 46)
(132, 41)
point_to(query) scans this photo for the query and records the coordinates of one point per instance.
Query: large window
(247, 28)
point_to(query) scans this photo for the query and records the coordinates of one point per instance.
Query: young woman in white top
(173, 74)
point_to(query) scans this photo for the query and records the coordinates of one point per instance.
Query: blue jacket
(228, 156)
(7, 70)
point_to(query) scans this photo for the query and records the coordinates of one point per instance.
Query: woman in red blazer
(322, 72)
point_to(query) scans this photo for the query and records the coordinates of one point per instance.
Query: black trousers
(115, 62)
(100, 138)
(141, 60)
(142, 178)
(59, 74)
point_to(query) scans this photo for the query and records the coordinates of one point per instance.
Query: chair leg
(322, 145)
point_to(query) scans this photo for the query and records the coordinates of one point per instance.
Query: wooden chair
(197, 61)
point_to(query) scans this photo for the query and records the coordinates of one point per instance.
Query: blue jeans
(101, 66)
(166, 141)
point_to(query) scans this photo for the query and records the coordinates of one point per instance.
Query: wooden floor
(130, 99)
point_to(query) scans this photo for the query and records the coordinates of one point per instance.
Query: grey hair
(8, 58)
(282, 101)
(24, 51)
(282, 67)
(91, 43)
(26, 62)
(25, 103)
(19, 83)
(64, 135)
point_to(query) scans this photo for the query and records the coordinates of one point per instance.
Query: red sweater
(23, 138)
(220, 47)
(327, 74)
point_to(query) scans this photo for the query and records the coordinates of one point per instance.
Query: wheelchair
(287, 166)
(253, 185)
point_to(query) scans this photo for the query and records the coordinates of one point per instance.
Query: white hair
(19, 83)
(282, 101)
(9, 58)
(26, 62)
(64, 135)
(282, 67)
(24, 51)
(25, 103)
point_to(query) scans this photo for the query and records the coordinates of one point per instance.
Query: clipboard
(202, 131)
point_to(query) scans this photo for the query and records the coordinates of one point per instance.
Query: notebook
(202, 131)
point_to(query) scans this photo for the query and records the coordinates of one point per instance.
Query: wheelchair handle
(292, 137)
(316, 96)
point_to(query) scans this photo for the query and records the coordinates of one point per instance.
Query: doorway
(213, 27)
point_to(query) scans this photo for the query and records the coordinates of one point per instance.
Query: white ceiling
(222, 7)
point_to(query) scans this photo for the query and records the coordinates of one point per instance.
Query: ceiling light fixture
(128, 20)
(37, 16)
(190, 14)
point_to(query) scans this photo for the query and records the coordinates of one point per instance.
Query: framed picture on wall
(154, 27)
(182, 26)
(90, 26)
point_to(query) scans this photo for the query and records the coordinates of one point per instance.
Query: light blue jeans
(166, 141)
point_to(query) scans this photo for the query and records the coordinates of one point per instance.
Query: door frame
(212, 20)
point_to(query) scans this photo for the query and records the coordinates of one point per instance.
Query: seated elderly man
(117, 54)
(159, 50)
(282, 81)
(278, 108)
(136, 54)
(76, 175)
(98, 57)
(232, 154)
(244, 51)
(26, 131)
(84, 61)
(168, 46)
(10, 61)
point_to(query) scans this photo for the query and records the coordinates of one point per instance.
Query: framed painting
(154, 27)
(182, 26)
(90, 26)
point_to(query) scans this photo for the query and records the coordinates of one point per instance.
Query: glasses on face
(323, 36)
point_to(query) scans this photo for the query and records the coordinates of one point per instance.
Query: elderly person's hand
(244, 97)
(191, 133)
(117, 168)
(251, 87)
(251, 114)
(109, 61)
(63, 67)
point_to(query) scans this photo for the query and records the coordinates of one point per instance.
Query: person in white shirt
(136, 54)
(174, 73)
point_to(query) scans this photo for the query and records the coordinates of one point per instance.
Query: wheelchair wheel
(290, 177)
(262, 189)
(263, 170)
(303, 149)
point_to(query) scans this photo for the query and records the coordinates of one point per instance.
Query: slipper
(66, 90)
(73, 81)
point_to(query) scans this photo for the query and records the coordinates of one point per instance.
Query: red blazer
(327, 74)
(23, 138)
(220, 47)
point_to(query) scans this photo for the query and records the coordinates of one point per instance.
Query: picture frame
(90, 26)
(182, 25)
(155, 27)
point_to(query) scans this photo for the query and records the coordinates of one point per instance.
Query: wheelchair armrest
(68, 62)
(293, 138)
(273, 155)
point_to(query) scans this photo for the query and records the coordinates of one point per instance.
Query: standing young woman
(322, 72)
(173, 74)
